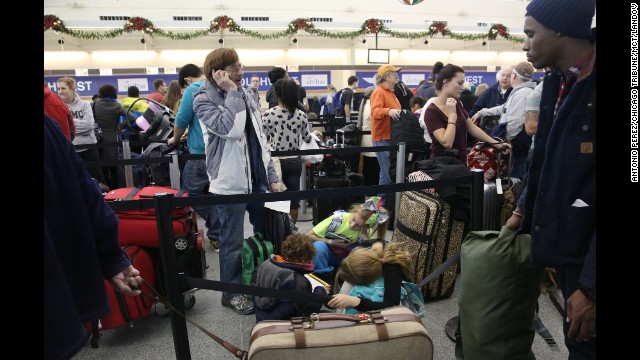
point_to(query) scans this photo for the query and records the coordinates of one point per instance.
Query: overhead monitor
(378, 56)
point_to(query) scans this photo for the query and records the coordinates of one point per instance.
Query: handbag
(485, 157)
(312, 145)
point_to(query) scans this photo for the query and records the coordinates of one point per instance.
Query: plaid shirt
(568, 78)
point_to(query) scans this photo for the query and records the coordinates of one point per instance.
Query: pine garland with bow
(224, 22)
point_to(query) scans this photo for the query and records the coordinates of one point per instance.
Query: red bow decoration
(374, 25)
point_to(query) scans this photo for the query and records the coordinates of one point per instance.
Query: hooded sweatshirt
(512, 111)
(83, 117)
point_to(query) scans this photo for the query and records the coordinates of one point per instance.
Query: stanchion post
(163, 203)
(399, 172)
(128, 171)
(477, 198)
(303, 186)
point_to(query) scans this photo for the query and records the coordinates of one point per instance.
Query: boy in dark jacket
(286, 272)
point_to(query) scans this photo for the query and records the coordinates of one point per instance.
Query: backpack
(256, 249)
(337, 100)
(407, 129)
(326, 109)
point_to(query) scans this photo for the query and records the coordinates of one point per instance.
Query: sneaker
(239, 304)
(215, 244)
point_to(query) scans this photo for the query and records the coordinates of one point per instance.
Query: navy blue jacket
(490, 98)
(81, 247)
(283, 276)
(563, 175)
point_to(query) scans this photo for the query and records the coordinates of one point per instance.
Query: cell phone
(331, 235)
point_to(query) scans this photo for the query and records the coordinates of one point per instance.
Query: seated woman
(448, 122)
(286, 272)
(385, 266)
(338, 234)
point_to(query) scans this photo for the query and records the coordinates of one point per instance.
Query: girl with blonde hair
(340, 233)
(377, 274)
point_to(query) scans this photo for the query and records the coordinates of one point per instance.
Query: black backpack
(407, 129)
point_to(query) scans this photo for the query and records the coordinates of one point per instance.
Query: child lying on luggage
(286, 272)
(338, 234)
(383, 267)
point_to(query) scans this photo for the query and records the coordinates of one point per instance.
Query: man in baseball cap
(563, 226)
(384, 107)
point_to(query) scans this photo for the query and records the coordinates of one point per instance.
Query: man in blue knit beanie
(558, 206)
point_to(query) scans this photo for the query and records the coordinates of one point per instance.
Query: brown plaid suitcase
(328, 336)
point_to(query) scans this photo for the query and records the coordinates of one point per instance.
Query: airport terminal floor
(151, 337)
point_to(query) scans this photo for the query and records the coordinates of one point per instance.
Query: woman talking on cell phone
(448, 122)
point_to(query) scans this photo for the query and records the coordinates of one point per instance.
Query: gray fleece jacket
(512, 111)
(223, 117)
(83, 117)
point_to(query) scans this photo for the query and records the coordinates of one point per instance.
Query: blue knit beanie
(568, 17)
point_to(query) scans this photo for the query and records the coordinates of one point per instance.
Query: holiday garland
(223, 22)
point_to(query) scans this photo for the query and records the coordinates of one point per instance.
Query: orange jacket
(382, 100)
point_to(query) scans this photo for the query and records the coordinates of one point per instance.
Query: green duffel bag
(499, 290)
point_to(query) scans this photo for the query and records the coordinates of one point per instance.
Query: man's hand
(514, 221)
(127, 281)
(223, 80)
(274, 187)
(581, 314)
(394, 114)
(475, 118)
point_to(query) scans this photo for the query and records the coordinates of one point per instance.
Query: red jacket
(56, 108)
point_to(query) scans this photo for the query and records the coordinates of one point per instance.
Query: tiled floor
(151, 338)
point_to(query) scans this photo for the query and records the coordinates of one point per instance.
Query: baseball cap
(384, 68)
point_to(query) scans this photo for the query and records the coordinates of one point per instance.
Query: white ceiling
(461, 15)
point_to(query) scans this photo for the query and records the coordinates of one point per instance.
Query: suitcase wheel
(181, 243)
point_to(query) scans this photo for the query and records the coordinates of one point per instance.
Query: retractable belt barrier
(163, 203)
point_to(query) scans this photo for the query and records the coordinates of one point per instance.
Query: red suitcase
(139, 227)
(125, 308)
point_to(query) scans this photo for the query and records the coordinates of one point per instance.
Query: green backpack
(255, 250)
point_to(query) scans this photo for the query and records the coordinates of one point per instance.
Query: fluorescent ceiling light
(123, 55)
(65, 55)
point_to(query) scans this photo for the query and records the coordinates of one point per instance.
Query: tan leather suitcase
(328, 336)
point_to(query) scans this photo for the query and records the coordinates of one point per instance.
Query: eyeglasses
(234, 67)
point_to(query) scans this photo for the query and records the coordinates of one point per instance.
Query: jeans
(385, 163)
(95, 171)
(232, 236)
(324, 259)
(196, 183)
(568, 279)
(291, 173)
